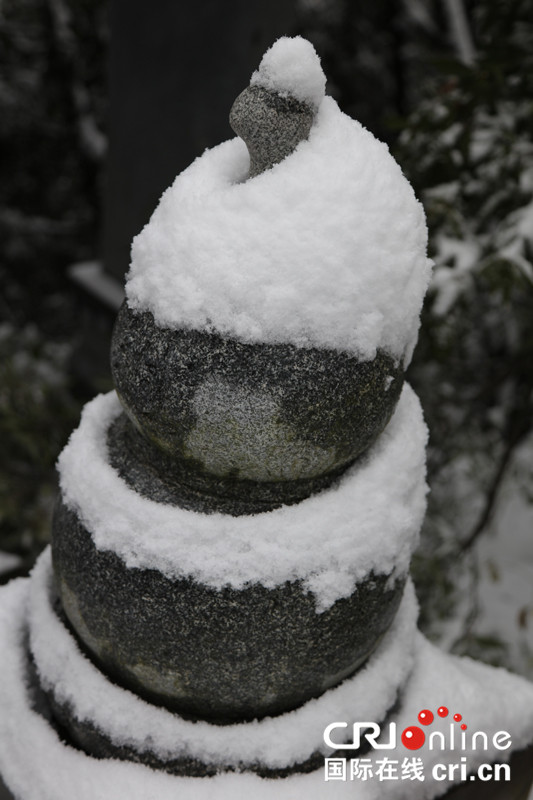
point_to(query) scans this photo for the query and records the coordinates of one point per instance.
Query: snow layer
(292, 67)
(326, 249)
(37, 765)
(275, 741)
(369, 520)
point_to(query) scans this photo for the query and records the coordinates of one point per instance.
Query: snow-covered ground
(494, 619)
(504, 557)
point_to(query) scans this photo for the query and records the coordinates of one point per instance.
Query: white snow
(275, 741)
(369, 520)
(37, 765)
(450, 281)
(326, 249)
(504, 591)
(292, 67)
(493, 614)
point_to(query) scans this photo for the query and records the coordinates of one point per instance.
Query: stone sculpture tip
(276, 112)
(292, 67)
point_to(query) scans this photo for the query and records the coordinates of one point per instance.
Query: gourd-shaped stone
(252, 423)
(271, 125)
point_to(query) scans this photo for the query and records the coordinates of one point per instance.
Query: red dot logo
(426, 717)
(463, 727)
(457, 717)
(413, 738)
(443, 711)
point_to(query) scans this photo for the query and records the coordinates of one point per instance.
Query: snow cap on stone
(292, 67)
(326, 249)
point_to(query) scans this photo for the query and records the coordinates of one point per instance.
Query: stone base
(108, 721)
(224, 655)
(37, 765)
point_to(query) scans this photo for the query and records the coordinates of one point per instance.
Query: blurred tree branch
(460, 30)
(92, 140)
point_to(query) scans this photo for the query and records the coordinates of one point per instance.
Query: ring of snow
(369, 521)
(326, 249)
(274, 741)
(37, 765)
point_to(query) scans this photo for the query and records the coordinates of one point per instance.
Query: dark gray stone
(5, 794)
(220, 655)
(160, 477)
(271, 126)
(262, 413)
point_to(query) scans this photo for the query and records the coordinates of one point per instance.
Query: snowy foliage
(469, 154)
(52, 107)
(482, 214)
(34, 390)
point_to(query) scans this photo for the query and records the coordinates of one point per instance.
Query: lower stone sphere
(222, 655)
(258, 412)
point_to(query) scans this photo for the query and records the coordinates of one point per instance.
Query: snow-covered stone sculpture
(230, 557)
(241, 615)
